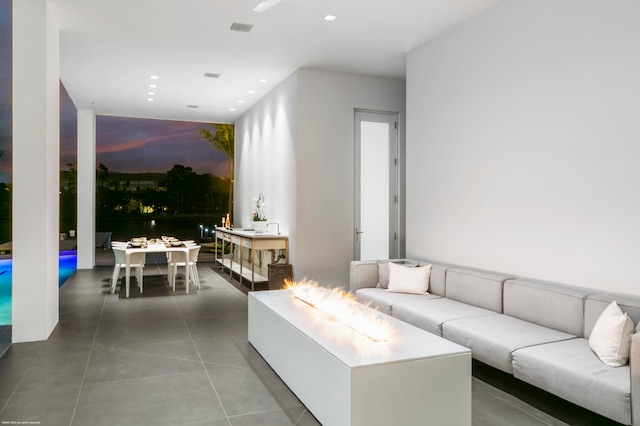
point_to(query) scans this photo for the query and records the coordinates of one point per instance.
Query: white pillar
(36, 171)
(86, 189)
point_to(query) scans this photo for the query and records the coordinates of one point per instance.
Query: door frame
(394, 184)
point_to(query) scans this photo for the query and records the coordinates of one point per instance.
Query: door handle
(358, 234)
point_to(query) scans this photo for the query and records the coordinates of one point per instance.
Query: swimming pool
(67, 263)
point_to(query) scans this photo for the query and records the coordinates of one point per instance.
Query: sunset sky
(5, 88)
(128, 145)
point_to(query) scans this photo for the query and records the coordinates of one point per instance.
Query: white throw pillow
(414, 280)
(383, 271)
(611, 336)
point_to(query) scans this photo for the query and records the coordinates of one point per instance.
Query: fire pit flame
(342, 307)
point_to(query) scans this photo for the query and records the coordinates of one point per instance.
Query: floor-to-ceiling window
(161, 177)
(68, 185)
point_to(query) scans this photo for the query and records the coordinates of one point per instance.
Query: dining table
(154, 246)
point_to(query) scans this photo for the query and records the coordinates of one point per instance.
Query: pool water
(67, 265)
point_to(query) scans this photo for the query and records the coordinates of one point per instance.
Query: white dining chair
(186, 243)
(185, 260)
(136, 261)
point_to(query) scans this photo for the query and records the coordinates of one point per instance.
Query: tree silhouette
(223, 140)
(68, 197)
(180, 180)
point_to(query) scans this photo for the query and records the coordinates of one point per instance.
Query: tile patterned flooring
(164, 358)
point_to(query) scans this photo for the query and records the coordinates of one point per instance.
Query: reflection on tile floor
(164, 358)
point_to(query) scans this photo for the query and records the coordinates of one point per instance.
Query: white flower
(260, 209)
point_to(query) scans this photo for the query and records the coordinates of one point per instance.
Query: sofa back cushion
(595, 304)
(482, 289)
(548, 305)
(436, 278)
(363, 274)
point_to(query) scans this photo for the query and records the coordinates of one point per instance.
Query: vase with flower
(260, 213)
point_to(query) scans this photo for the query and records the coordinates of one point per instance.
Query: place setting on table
(132, 255)
(144, 242)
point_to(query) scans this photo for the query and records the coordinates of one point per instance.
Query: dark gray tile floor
(164, 358)
(5, 338)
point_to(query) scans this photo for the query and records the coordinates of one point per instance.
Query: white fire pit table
(346, 378)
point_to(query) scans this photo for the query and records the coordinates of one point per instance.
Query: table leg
(215, 249)
(128, 274)
(240, 260)
(253, 263)
(186, 268)
(231, 249)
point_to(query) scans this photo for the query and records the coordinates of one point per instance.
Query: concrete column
(86, 189)
(36, 171)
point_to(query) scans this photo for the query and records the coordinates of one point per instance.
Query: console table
(414, 378)
(253, 241)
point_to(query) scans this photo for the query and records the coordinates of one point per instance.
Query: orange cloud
(138, 143)
(124, 146)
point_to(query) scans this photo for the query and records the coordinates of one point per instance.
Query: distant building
(134, 182)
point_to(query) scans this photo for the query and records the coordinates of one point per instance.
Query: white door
(376, 185)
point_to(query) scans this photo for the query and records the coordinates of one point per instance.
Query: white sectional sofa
(537, 331)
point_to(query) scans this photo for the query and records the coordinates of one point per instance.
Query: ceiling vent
(192, 106)
(245, 28)
(211, 75)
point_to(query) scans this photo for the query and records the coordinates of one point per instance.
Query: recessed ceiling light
(232, 109)
(149, 99)
(265, 4)
(240, 101)
(151, 93)
(152, 86)
(262, 80)
(211, 75)
(252, 91)
(154, 77)
(330, 18)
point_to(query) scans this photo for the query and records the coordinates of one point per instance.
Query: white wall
(310, 116)
(86, 215)
(326, 165)
(36, 171)
(523, 143)
(265, 159)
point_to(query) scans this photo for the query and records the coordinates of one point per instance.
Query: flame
(342, 307)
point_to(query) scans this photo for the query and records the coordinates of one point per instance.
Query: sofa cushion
(384, 300)
(597, 303)
(412, 279)
(430, 314)
(363, 274)
(436, 278)
(493, 338)
(477, 288)
(610, 338)
(552, 306)
(383, 270)
(564, 367)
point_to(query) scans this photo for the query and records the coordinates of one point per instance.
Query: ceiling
(110, 49)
